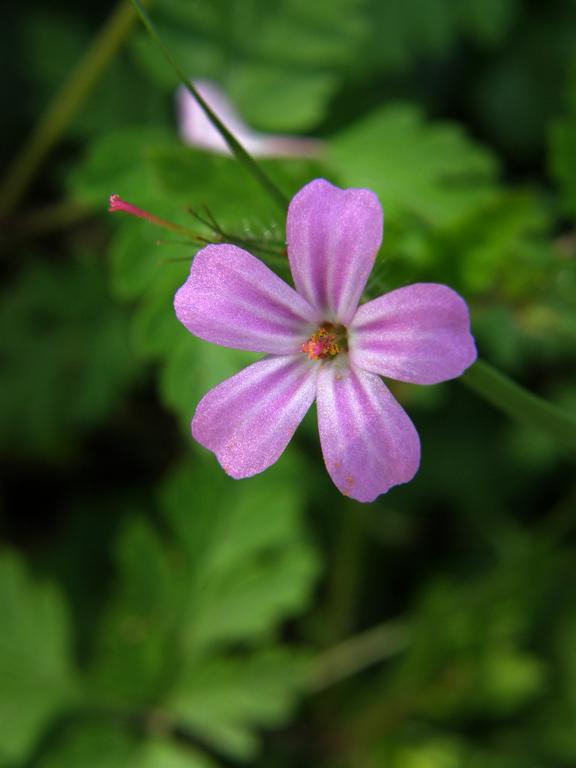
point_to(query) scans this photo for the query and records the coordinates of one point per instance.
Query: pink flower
(197, 130)
(321, 345)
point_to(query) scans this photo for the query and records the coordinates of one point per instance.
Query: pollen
(322, 345)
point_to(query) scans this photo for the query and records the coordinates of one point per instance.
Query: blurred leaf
(563, 147)
(159, 175)
(136, 629)
(248, 567)
(276, 100)
(195, 366)
(224, 699)
(507, 245)
(38, 679)
(118, 163)
(189, 632)
(429, 170)
(52, 43)
(137, 259)
(508, 680)
(407, 31)
(432, 753)
(280, 63)
(518, 93)
(489, 22)
(112, 746)
(156, 329)
(59, 322)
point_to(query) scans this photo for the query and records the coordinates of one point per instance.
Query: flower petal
(419, 333)
(197, 130)
(368, 441)
(233, 299)
(248, 420)
(333, 237)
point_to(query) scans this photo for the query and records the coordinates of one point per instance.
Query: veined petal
(333, 237)
(368, 441)
(233, 299)
(419, 333)
(248, 420)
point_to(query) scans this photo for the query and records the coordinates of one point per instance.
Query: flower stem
(243, 157)
(346, 573)
(356, 654)
(64, 106)
(517, 402)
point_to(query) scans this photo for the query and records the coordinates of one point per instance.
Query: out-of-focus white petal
(197, 130)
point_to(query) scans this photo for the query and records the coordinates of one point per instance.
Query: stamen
(321, 345)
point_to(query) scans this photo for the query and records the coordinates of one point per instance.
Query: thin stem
(64, 106)
(347, 571)
(356, 654)
(517, 402)
(236, 148)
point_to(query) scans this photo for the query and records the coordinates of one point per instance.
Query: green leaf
(138, 260)
(298, 47)
(156, 330)
(563, 148)
(36, 670)
(92, 745)
(193, 367)
(430, 170)
(401, 34)
(118, 163)
(131, 662)
(488, 21)
(166, 178)
(223, 699)
(59, 322)
(189, 632)
(507, 246)
(249, 566)
(53, 43)
(277, 100)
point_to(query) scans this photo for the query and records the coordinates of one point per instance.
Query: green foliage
(65, 356)
(190, 631)
(51, 44)
(562, 145)
(285, 60)
(111, 746)
(154, 173)
(187, 641)
(404, 31)
(37, 675)
(430, 171)
(193, 619)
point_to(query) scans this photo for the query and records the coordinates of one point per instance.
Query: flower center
(325, 343)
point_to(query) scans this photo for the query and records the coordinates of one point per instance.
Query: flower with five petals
(321, 345)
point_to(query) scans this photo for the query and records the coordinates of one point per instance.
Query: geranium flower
(197, 130)
(321, 345)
